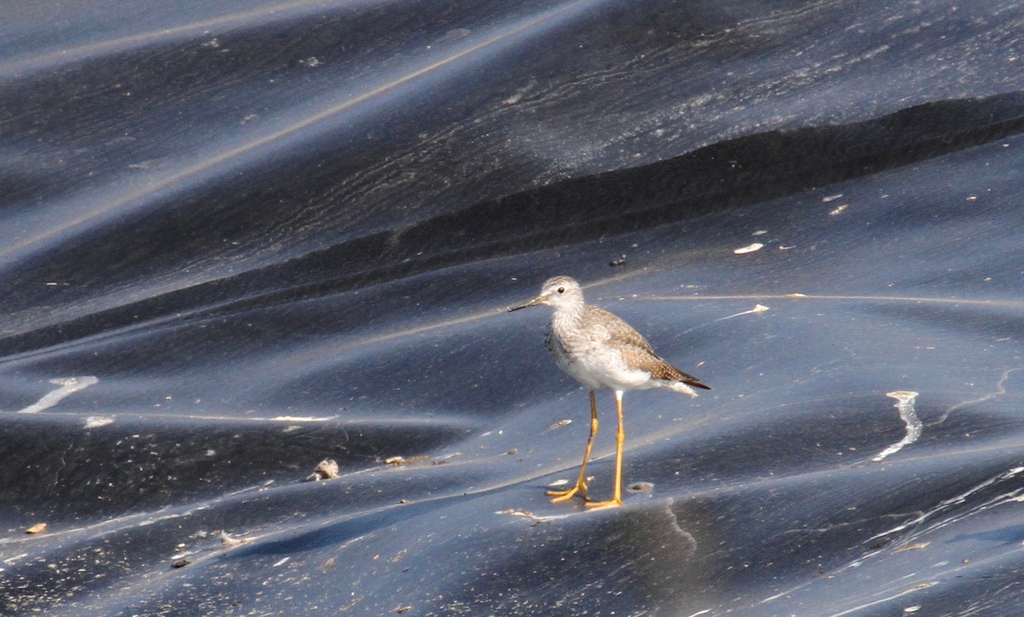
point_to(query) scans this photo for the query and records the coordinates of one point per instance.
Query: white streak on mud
(68, 386)
(905, 404)
(758, 308)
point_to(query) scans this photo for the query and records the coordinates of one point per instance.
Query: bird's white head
(560, 293)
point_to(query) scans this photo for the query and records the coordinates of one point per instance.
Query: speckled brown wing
(635, 349)
(597, 319)
(670, 373)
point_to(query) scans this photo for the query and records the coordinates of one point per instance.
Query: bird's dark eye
(561, 290)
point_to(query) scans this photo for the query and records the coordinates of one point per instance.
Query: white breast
(591, 361)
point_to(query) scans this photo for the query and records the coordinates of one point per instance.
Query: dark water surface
(238, 238)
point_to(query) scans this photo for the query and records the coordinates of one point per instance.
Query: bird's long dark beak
(534, 302)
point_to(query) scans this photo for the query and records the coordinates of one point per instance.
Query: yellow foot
(566, 495)
(611, 503)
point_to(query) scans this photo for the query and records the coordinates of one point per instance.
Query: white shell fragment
(750, 248)
(98, 421)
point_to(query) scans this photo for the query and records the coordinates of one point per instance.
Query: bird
(601, 351)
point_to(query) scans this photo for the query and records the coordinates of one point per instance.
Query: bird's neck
(567, 318)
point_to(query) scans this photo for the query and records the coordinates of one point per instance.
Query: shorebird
(600, 350)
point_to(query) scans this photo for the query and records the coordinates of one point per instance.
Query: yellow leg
(581, 484)
(620, 441)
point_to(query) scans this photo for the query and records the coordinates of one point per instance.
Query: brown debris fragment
(327, 470)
